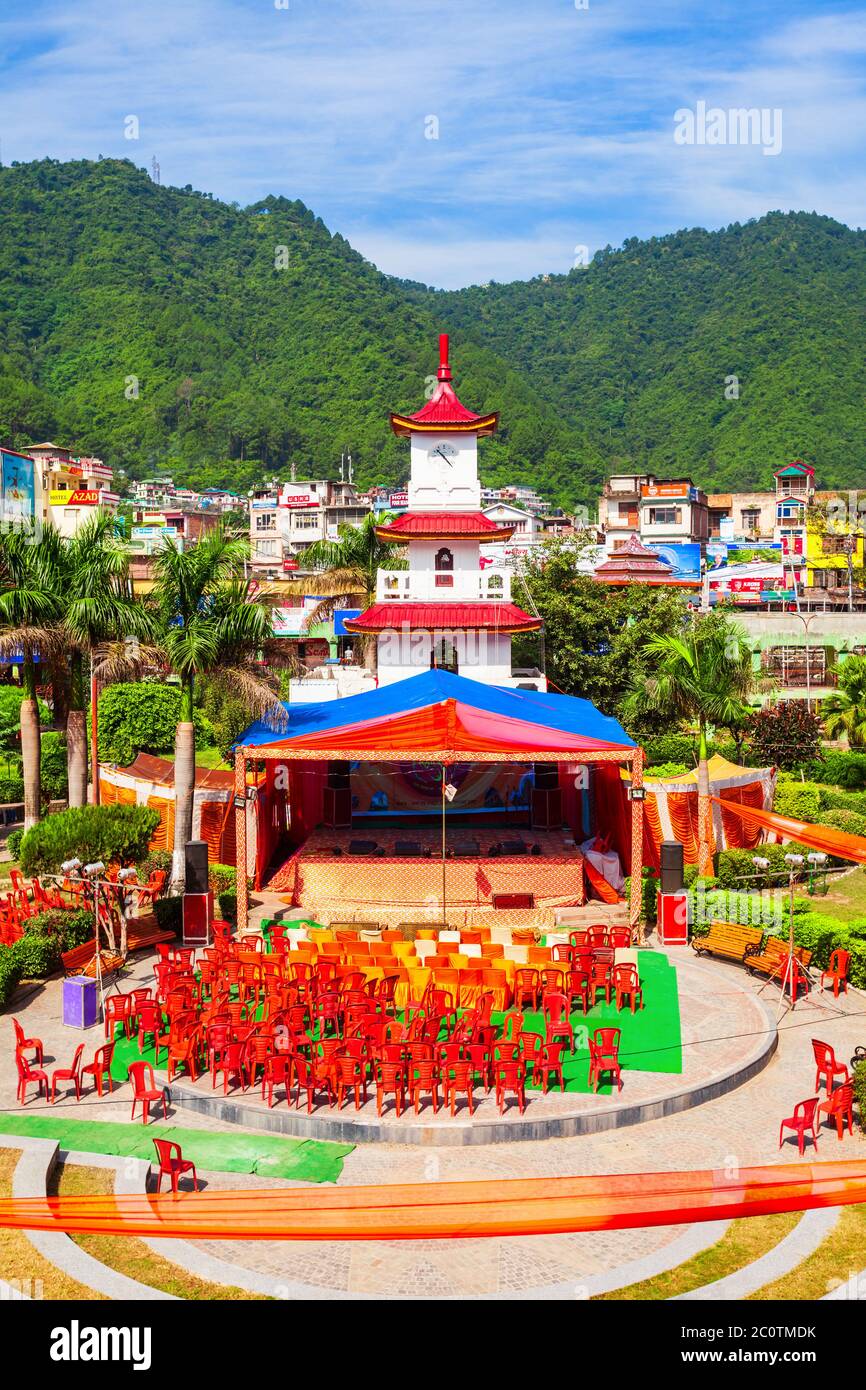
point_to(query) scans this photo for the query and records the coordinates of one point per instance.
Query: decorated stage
(327, 878)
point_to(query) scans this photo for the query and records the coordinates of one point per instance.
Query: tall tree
(209, 624)
(844, 711)
(100, 612)
(31, 606)
(702, 675)
(350, 566)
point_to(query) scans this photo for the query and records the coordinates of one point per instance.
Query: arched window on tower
(444, 569)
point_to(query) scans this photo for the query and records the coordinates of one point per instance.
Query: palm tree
(704, 676)
(209, 624)
(844, 712)
(100, 612)
(31, 606)
(350, 567)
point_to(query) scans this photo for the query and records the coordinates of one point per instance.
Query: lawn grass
(842, 1254)
(133, 1257)
(744, 1242)
(845, 898)
(211, 758)
(21, 1265)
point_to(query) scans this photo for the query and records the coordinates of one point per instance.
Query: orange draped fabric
(820, 837)
(534, 1206)
(741, 834)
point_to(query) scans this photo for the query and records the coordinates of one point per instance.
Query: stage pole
(241, 838)
(444, 918)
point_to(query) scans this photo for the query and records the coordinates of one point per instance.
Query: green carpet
(307, 1160)
(651, 1038)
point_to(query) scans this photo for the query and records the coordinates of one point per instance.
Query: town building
(663, 511)
(444, 610)
(70, 488)
(285, 522)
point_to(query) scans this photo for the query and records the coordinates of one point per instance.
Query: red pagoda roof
(443, 526)
(635, 564)
(500, 617)
(444, 413)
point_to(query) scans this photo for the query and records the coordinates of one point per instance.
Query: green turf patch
(307, 1160)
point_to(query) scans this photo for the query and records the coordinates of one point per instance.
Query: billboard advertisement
(341, 615)
(684, 559)
(18, 483)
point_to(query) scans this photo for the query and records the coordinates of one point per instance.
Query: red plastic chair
(600, 978)
(311, 1078)
(826, 1065)
(550, 1064)
(839, 1106)
(525, 987)
(232, 1062)
(23, 1044)
(278, 1070)
(577, 987)
(804, 1118)
(510, 1077)
(117, 1010)
(72, 1074)
(626, 984)
(458, 1080)
(173, 1163)
(145, 1090)
(391, 1079)
(604, 1056)
(351, 1076)
(480, 1058)
(100, 1068)
(837, 971)
(423, 1078)
(531, 1050)
(149, 1021)
(557, 1024)
(27, 1075)
(620, 938)
(186, 1051)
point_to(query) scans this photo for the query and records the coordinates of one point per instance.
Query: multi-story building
(662, 511)
(285, 523)
(72, 488)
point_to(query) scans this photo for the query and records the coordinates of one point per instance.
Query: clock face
(443, 453)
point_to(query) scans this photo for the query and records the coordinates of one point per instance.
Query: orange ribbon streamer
(420, 1211)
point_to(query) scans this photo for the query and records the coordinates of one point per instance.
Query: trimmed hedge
(10, 974)
(853, 822)
(222, 878)
(801, 800)
(859, 1077)
(13, 843)
(70, 928)
(36, 955)
(113, 834)
(228, 906)
(839, 768)
(11, 790)
(665, 770)
(169, 913)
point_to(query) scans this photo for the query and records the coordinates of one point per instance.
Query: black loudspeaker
(546, 776)
(337, 808)
(671, 866)
(338, 774)
(196, 867)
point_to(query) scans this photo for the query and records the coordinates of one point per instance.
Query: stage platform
(329, 880)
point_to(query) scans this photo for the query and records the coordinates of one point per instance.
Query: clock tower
(444, 610)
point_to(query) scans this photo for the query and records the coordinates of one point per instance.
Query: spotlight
(760, 863)
(816, 858)
(70, 865)
(124, 874)
(92, 870)
(794, 859)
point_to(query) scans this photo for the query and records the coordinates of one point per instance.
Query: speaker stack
(197, 896)
(546, 798)
(337, 801)
(673, 900)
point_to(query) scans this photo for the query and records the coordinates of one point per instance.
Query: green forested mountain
(105, 276)
(242, 366)
(637, 347)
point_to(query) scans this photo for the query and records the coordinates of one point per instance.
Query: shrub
(670, 748)
(666, 770)
(228, 906)
(11, 789)
(222, 878)
(852, 822)
(70, 928)
(169, 913)
(36, 955)
(13, 843)
(154, 859)
(834, 800)
(11, 697)
(143, 718)
(839, 769)
(860, 1091)
(786, 735)
(801, 800)
(52, 767)
(113, 834)
(10, 974)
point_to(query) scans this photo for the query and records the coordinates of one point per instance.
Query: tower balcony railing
(442, 586)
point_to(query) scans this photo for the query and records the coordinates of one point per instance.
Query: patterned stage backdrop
(416, 788)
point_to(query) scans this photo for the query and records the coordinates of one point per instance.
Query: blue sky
(555, 124)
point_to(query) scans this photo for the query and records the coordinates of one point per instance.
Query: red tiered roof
(444, 413)
(499, 617)
(443, 526)
(635, 564)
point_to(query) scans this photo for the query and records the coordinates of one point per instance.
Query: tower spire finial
(444, 369)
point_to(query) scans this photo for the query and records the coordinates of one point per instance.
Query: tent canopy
(440, 712)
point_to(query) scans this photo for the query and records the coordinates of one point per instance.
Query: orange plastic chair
(626, 984)
(173, 1163)
(423, 1079)
(839, 1106)
(803, 1119)
(351, 1075)
(390, 1079)
(510, 1077)
(458, 1080)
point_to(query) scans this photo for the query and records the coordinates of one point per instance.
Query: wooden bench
(81, 960)
(774, 957)
(728, 939)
